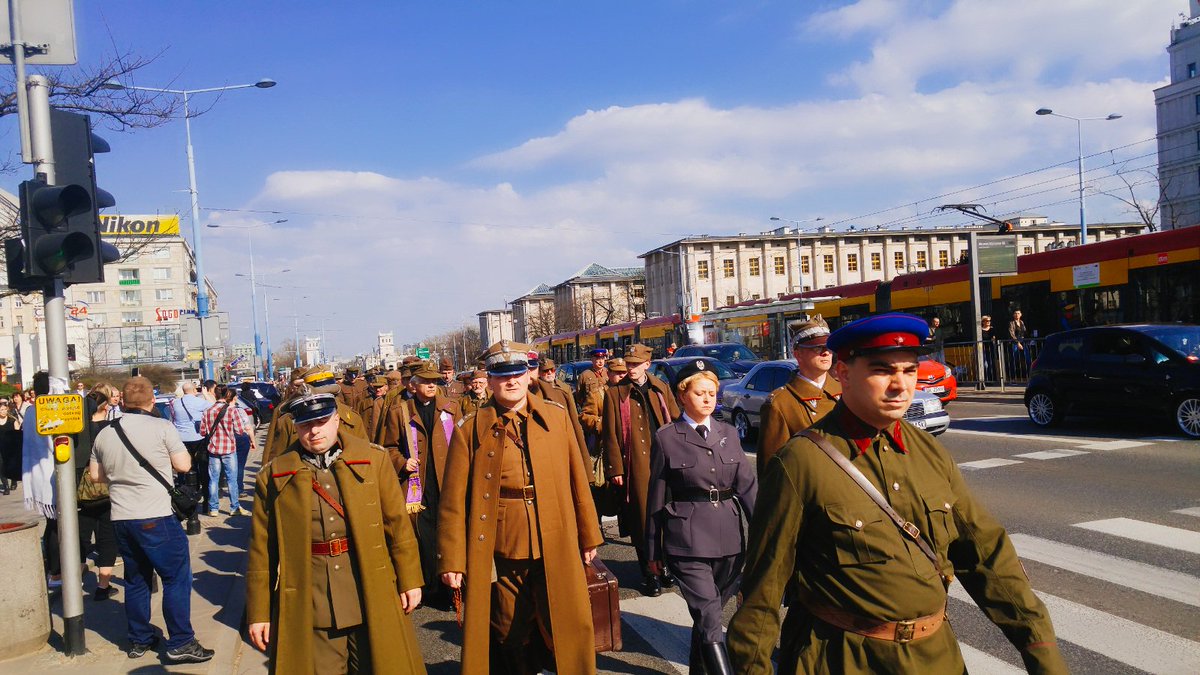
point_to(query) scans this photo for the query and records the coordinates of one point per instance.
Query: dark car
(568, 373)
(1119, 371)
(737, 356)
(261, 399)
(664, 369)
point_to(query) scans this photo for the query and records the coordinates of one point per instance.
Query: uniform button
(488, 476)
(495, 434)
(337, 567)
(712, 470)
(327, 487)
(895, 486)
(483, 516)
(491, 453)
(439, 556)
(947, 504)
(331, 517)
(487, 495)
(481, 537)
(710, 453)
(858, 524)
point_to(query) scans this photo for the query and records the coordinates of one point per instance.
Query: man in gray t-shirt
(148, 535)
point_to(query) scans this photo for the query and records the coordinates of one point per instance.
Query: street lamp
(1079, 140)
(201, 289)
(253, 288)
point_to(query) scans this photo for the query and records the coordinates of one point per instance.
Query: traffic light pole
(56, 350)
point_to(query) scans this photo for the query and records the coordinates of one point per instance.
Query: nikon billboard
(139, 226)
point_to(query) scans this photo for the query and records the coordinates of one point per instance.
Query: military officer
(873, 594)
(594, 378)
(275, 431)
(591, 417)
(321, 381)
(451, 387)
(352, 389)
(702, 486)
(808, 397)
(516, 510)
(634, 409)
(591, 409)
(476, 394)
(333, 568)
(553, 391)
(372, 404)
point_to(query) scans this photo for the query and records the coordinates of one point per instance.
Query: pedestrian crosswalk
(1092, 578)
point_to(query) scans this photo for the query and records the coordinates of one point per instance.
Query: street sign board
(997, 255)
(422, 352)
(48, 24)
(61, 414)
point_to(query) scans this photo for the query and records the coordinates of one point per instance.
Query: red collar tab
(894, 339)
(863, 435)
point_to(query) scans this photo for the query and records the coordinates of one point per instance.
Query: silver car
(741, 402)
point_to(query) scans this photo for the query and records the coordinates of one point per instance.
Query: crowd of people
(391, 490)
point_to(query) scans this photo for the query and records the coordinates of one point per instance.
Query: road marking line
(664, 622)
(1193, 511)
(1150, 533)
(1128, 642)
(989, 463)
(1051, 454)
(1114, 445)
(1139, 576)
(1010, 435)
(1161, 439)
(982, 663)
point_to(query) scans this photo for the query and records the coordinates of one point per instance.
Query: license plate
(920, 424)
(936, 390)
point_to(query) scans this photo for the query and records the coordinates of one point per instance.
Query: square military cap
(427, 370)
(446, 364)
(617, 365)
(394, 376)
(638, 354)
(506, 358)
(533, 359)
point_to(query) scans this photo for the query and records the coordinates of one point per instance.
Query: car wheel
(742, 424)
(1044, 410)
(1187, 416)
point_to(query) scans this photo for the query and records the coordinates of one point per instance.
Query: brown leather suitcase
(606, 606)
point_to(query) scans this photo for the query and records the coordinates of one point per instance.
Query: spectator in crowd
(95, 505)
(988, 333)
(148, 534)
(222, 422)
(937, 340)
(1018, 333)
(115, 409)
(186, 412)
(208, 391)
(20, 404)
(10, 448)
(37, 476)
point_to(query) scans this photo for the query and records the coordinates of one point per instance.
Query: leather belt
(896, 631)
(331, 548)
(701, 495)
(525, 493)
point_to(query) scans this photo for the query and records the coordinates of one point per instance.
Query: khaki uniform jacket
(591, 413)
(282, 433)
(589, 382)
(823, 533)
(440, 447)
(637, 473)
(383, 548)
(568, 525)
(352, 394)
(469, 404)
(791, 409)
(560, 395)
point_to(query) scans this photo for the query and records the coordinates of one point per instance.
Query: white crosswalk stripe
(1150, 533)
(982, 663)
(665, 623)
(1193, 511)
(1051, 454)
(988, 463)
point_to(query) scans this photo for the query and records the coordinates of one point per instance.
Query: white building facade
(495, 325)
(1178, 112)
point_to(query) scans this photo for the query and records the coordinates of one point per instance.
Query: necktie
(702, 430)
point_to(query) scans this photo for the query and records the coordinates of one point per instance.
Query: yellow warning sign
(61, 414)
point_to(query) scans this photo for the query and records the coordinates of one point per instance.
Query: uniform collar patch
(863, 435)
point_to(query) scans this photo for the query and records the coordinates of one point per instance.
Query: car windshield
(721, 352)
(1182, 339)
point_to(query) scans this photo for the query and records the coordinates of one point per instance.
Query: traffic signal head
(51, 248)
(74, 166)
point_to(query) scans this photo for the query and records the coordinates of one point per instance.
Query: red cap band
(892, 340)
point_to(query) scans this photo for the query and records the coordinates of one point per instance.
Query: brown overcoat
(637, 472)
(439, 446)
(559, 394)
(567, 519)
(282, 432)
(791, 409)
(384, 549)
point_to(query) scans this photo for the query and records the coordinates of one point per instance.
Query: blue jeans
(156, 545)
(243, 454)
(217, 464)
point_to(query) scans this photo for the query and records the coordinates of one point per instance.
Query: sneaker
(239, 511)
(213, 513)
(192, 652)
(138, 650)
(103, 593)
(53, 584)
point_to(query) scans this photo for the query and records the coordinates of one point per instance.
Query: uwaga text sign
(138, 226)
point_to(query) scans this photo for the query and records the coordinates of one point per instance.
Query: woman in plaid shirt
(222, 449)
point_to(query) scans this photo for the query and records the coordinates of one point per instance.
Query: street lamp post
(201, 287)
(1079, 142)
(258, 351)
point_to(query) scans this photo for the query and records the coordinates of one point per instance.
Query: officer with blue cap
(870, 521)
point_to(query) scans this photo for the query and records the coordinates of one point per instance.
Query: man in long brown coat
(320, 381)
(633, 410)
(516, 510)
(594, 379)
(808, 397)
(333, 568)
(352, 389)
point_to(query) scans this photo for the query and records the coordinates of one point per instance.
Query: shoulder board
(556, 404)
(357, 461)
(465, 418)
(281, 474)
(771, 396)
(376, 446)
(814, 398)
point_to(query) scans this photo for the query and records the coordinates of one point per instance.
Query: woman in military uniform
(702, 488)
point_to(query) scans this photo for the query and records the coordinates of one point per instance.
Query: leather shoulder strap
(116, 425)
(868, 487)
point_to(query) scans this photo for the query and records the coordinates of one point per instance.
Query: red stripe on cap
(893, 339)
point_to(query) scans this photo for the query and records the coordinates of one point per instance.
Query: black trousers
(706, 584)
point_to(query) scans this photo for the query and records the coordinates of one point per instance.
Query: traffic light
(74, 164)
(51, 248)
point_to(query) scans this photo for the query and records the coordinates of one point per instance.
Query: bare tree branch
(1146, 212)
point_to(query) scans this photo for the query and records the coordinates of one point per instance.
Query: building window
(852, 262)
(807, 289)
(703, 304)
(129, 275)
(95, 297)
(1191, 70)
(899, 260)
(922, 262)
(702, 269)
(96, 319)
(17, 302)
(728, 265)
(729, 300)
(162, 273)
(1198, 104)
(639, 291)
(163, 294)
(780, 267)
(162, 252)
(828, 264)
(131, 298)
(943, 258)
(131, 317)
(876, 261)
(804, 267)
(755, 270)
(1028, 250)
(756, 296)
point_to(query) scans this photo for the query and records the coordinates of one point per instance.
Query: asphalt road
(1106, 517)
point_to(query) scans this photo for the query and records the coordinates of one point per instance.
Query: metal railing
(1006, 363)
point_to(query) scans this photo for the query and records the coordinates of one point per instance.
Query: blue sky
(434, 159)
